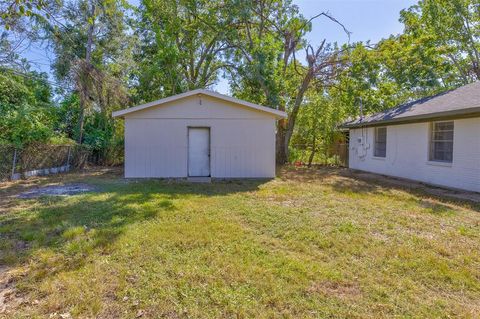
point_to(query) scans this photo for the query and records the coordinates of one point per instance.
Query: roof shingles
(461, 101)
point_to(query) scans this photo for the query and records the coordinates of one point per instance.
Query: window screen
(380, 142)
(441, 142)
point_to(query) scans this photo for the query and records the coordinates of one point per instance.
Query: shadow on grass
(340, 179)
(444, 199)
(347, 181)
(71, 229)
(308, 175)
(348, 185)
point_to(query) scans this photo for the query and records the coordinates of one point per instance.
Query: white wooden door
(198, 151)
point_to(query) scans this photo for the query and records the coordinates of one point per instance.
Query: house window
(380, 149)
(441, 142)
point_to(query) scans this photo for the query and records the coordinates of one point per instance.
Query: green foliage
(103, 136)
(182, 45)
(109, 55)
(449, 29)
(262, 49)
(60, 140)
(25, 108)
(316, 128)
(93, 58)
(13, 91)
(99, 131)
(10, 10)
(438, 51)
(67, 113)
(23, 123)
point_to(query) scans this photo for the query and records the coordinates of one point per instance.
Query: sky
(365, 19)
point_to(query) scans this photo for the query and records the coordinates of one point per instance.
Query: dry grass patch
(311, 243)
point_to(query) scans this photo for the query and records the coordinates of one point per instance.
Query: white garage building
(200, 134)
(434, 140)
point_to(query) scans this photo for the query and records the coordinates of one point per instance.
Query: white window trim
(439, 163)
(375, 143)
(429, 149)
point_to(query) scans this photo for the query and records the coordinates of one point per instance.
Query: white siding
(408, 151)
(204, 107)
(242, 140)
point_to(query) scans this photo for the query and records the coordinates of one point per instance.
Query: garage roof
(461, 102)
(278, 114)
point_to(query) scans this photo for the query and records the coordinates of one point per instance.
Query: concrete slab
(199, 179)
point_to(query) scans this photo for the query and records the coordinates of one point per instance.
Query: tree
(451, 28)
(182, 45)
(24, 105)
(316, 124)
(269, 36)
(91, 47)
(12, 9)
(18, 28)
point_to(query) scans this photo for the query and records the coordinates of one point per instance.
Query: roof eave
(277, 114)
(468, 112)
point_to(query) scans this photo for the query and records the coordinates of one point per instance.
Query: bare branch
(330, 17)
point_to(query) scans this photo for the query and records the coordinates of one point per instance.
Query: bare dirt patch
(58, 190)
(339, 290)
(10, 299)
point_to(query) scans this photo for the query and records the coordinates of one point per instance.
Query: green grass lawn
(309, 244)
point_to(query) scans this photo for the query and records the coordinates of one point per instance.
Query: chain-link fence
(40, 159)
(7, 155)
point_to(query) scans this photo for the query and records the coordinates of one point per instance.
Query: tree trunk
(311, 71)
(326, 155)
(284, 133)
(81, 120)
(312, 154)
(282, 153)
(85, 70)
(310, 159)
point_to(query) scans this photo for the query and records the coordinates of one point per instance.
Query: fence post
(14, 163)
